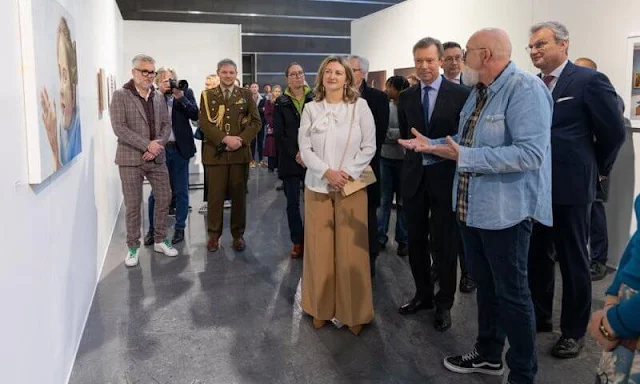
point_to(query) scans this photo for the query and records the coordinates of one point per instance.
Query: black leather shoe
(567, 348)
(148, 238)
(415, 305)
(172, 211)
(178, 236)
(598, 271)
(442, 320)
(403, 250)
(466, 284)
(544, 326)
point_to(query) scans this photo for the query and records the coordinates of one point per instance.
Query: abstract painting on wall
(50, 78)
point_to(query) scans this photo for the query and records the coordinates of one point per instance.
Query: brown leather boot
(297, 251)
(239, 244)
(213, 245)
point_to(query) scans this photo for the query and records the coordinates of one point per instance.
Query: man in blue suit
(180, 148)
(586, 133)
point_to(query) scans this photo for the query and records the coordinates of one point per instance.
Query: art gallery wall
(386, 37)
(54, 235)
(598, 30)
(192, 49)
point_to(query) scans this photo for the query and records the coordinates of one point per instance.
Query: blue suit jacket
(586, 133)
(184, 109)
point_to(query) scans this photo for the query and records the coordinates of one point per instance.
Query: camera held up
(181, 85)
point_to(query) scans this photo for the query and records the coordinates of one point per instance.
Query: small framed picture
(636, 80)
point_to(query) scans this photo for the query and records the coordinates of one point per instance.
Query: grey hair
(364, 63)
(160, 71)
(560, 32)
(141, 57)
(224, 62)
(426, 42)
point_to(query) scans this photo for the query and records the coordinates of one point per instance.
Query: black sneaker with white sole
(473, 363)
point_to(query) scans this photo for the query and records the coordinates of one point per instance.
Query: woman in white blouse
(336, 280)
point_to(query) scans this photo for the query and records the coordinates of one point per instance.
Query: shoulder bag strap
(346, 147)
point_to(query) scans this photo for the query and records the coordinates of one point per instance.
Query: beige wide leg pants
(336, 279)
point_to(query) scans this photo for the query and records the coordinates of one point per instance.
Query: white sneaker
(227, 204)
(204, 208)
(131, 260)
(166, 248)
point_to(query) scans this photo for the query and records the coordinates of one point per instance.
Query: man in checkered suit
(140, 120)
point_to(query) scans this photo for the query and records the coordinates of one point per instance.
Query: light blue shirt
(433, 94)
(510, 157)
(71, 146)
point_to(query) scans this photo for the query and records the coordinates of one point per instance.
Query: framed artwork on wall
(377, 79)
(50, 79)
(406, 72)
(101, 82)
(632, 88)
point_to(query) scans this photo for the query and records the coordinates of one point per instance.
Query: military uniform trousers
(227, 180)
(336, 277)
(132, 178)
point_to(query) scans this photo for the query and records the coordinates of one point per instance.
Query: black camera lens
(181, 85)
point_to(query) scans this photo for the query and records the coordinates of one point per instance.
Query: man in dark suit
(453, 62)
(452, 66)
(378, 102)
(432, 107)
(180, 148)
(586, 134)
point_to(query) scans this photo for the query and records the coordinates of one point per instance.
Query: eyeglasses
(451, 59)
(146, 73)
(356, 70)
(475, 49)
(296, 74)
(538, 45)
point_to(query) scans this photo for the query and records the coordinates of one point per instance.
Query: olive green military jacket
(238, 116)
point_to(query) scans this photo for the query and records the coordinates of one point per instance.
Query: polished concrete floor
(230, 317)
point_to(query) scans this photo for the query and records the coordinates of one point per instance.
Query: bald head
(586, 62)
(494, 39)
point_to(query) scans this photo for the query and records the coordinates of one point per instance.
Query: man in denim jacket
(502, 185)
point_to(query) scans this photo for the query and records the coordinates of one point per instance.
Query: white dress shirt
(556, 74)
(324, 129)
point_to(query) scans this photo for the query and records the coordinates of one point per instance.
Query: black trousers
(565, 242)
(599, 238)
(372, 223)
(432, 229)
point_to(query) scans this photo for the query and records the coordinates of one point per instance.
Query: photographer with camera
(179, 148)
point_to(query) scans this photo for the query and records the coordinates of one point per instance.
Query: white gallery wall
(598, 30)
(54, 235)
(192, 49)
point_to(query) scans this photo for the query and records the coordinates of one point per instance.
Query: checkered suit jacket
(129, 123)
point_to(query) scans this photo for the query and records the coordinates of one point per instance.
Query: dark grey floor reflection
(233, 317)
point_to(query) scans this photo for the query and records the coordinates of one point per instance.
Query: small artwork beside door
(405, 72)
(377, 79)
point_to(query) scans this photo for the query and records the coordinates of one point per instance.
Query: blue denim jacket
(510, 158)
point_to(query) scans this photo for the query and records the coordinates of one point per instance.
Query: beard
(470, 77)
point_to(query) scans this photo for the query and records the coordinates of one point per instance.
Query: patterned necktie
(425, 104)
(547, 80)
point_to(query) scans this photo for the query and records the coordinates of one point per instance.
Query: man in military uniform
(230, 120)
